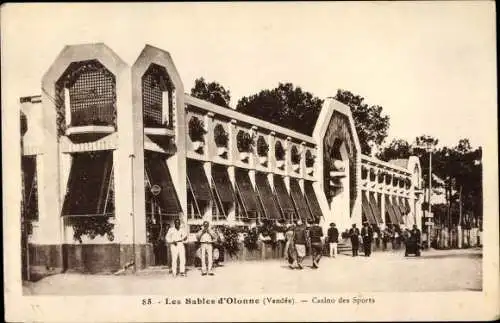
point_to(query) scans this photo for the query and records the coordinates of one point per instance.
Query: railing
(97, 115)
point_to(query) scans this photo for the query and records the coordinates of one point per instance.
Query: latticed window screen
(92, 95)
(154, 83)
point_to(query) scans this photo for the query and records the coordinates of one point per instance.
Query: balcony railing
(96, 115)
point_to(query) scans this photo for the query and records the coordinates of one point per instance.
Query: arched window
(364, 172)
(279, 151)
(221, 137)
(309, 159)
(262, 147)
(244, 142)
(295, 157)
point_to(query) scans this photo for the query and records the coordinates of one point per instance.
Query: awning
(367, 210)
(284, 200)
(407, 205)
(30, 196)
(198, 182)
(389, 209)
(375, 208)
(401, 205)
(299, 200)
(312, 200)
(223, 186)
(88, 188)
(397, 210)
(247, 194)
(159, 174)
(266, 196)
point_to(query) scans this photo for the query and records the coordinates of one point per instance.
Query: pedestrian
(207, 237)
(367, 234)
(376, 236)
(397, 238)
(290, 252)
(387, 238)
(176, 236)
(333, 239)
(354, 235)
(300, 241)
(316, 236)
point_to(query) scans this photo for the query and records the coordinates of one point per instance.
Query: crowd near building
(112, 154)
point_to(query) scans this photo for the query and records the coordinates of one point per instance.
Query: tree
(286, 105)
(397, 149)
(212, 92)
(371, 125)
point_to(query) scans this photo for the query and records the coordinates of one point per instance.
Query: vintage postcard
(318, 161)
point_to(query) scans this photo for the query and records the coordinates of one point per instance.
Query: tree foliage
(459, 166)
(371, 124)
(286, 105)
(212, 92)
(397, 149)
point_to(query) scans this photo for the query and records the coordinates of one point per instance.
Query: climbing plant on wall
(245, 142)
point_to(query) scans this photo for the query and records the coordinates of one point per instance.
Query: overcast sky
(431, 65)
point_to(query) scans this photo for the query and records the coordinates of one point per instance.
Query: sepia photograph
(249, 154)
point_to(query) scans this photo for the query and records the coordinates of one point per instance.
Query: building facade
(113, 153)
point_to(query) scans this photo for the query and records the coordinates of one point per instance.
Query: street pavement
(435, 270)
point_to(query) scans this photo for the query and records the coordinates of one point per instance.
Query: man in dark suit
(354, 234)
(367, 234)
(315, 237)
(333, 239)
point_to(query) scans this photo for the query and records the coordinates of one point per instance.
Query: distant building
(113, 153)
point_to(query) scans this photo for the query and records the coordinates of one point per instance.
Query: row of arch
(246, 142)
(381, 176)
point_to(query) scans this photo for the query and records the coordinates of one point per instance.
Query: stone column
(232, 154)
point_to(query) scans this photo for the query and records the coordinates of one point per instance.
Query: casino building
(112, 153)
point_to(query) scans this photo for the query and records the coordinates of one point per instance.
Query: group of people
(300, 237)
(365, 236)
(177, 237)
(411, 238)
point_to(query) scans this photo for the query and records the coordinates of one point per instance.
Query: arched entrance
(339, 175)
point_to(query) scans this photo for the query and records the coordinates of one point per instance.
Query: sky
(431, 65)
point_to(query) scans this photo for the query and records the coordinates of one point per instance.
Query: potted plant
(309, 162)
(262, 150)
(221, 139)
(230, 240)
(280, 155)
(245, 143)
(92, 226)
(196, 133)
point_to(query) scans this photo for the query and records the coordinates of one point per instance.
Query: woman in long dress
(290, 252)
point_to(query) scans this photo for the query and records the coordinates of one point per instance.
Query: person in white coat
(176, 237)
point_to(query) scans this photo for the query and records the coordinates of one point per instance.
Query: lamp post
(428, 146)
(132, 213)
